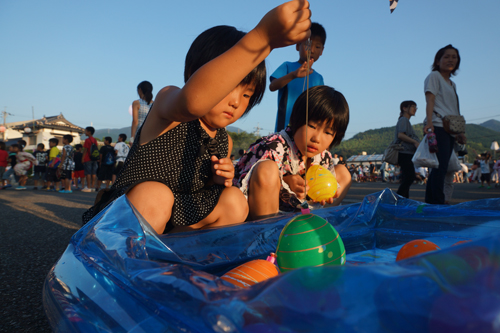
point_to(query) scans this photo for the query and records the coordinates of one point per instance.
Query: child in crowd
(106, 163)
(89, 160)
(178, 174)
(40, 169)
(4, 155)
(121, 152)
(24, 161)
(53, 182)
(485, 169)
(67, 164)
(78, 173)
(289, 78)
(271, 173)
(12, 160)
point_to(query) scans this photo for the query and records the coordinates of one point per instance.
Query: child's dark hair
(21, 143)
(147, 89)
(123, 136)
(317, 30)
(15, 145)
(78, 146)
(404, 105)
(212, 43)
(68, 137)
(108, 139)
(2, 145)
(41, 145)
(440, 54)
(325, 104)
(54, 140)
(90, 129)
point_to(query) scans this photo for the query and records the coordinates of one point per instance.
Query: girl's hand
(287, 24)
(296, 184)
(223, 171)
(302, 70)
(329, 201)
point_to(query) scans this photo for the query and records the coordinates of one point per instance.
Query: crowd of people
(82, 167)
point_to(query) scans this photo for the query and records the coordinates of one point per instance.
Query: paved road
(36, 226)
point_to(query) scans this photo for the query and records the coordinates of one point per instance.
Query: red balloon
(416, 247)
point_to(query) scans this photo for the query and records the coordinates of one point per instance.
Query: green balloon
(309, 240)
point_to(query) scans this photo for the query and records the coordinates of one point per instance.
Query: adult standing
(405, 134)
(140, 107)
(442, 101)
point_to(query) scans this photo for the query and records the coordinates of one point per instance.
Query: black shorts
(105, 172)
(118, 168)
(66, 174)
(485, 177)
(52, 175)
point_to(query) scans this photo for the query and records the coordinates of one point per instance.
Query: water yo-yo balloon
(309, 240)
(416, 247)
(322, 184)
(252, 272)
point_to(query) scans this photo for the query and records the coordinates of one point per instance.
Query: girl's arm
(135, 118)
(285, 25)
(429, 110)
(406, 138)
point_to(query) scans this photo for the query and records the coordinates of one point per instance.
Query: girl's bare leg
(154, 201)
(263, 190)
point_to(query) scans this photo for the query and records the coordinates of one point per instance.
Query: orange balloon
(250, 273)
(461, 242)
(416, 247)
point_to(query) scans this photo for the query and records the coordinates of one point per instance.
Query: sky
(84, 59)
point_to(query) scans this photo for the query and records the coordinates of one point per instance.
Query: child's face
(231, 108)
(65, 142)
(15, 149)
(316, 49)
(39, 148)
(52, 144)
(319, 138)
(448, 61)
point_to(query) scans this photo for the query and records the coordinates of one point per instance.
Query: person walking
(442, 101)
(405, 134)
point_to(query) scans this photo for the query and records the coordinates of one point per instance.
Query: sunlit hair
(325, 104)
(404, 105)
(212, 43)
(68, 138)
(440, 54)
(147, 89)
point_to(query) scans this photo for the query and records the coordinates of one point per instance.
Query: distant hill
(375, 141)
(492, 124)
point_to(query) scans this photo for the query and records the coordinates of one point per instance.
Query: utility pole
(4, 114)
(257, 130)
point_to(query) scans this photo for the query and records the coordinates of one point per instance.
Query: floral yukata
(280, 148)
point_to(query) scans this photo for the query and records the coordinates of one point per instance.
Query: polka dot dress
(180, 159)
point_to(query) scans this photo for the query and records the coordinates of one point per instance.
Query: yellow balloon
(322, 184)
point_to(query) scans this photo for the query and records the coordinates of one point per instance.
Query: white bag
(423, 157)
(454, 164)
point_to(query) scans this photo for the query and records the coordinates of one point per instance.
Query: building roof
(366, 158)
(53, 122)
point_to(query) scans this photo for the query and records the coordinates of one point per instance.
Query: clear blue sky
(85, 58)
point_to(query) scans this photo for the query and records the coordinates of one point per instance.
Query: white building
(41, 130)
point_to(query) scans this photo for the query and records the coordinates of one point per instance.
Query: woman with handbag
(406, 135)
(442, 117)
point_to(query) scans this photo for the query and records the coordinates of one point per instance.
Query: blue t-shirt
(289, 93)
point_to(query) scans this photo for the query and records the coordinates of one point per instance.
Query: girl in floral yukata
(271, 172)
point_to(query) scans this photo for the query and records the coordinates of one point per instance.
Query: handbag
(391, 153)
(453, 124)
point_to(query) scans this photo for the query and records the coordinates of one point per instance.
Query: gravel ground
(35, 229)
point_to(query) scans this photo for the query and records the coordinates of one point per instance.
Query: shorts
(485, 177)
(39, 175)
(78, 174)
(66, 174)
(118, 167)
(90, 168)
(52, 175)
(105, 172)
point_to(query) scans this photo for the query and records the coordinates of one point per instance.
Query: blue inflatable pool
(117, 275)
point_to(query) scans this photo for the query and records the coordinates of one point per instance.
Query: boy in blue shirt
(289, 78)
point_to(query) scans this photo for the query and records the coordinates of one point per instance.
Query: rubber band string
(305, 206)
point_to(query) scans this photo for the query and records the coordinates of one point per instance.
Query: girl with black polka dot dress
(178, 174)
